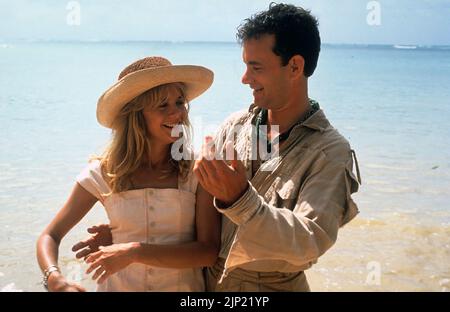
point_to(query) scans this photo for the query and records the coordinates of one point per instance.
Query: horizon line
(2, 41)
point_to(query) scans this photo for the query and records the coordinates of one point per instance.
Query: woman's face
(164, 120)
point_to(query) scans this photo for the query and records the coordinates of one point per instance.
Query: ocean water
(392, 104)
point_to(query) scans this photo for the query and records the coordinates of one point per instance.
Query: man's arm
(293, 239)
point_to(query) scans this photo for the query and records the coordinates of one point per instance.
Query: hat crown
(147, 62)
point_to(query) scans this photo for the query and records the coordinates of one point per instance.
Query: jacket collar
(318, 121)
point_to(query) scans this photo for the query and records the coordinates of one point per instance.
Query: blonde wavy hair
(130, 143)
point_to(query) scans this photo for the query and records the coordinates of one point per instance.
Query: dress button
(152, 224)
(151, 208)
(150, 192)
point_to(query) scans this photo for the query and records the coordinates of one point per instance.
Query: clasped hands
(104, 257)
(226, 182)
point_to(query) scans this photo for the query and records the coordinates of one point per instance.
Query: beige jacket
(291, 215)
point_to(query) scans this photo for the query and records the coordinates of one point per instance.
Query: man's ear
(296, 66)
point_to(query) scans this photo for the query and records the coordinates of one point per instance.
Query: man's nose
(246, 79)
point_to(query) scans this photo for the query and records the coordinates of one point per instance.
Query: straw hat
(146, 74)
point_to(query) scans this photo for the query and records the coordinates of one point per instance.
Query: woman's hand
(111, 259)
(57, 283)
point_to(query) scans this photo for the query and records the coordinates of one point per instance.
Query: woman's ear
(296, 65)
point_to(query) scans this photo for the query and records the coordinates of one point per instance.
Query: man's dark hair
(296, 33)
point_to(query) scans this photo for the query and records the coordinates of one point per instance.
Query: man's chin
(260, 104)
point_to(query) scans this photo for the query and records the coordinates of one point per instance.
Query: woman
(163, 223)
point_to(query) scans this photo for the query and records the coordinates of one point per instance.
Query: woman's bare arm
(76, 207)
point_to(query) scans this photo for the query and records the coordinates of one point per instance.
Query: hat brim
(197, 79)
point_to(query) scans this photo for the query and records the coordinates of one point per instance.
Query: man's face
(265, 73)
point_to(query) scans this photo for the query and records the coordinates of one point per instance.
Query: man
(279, 214)
(277, 222)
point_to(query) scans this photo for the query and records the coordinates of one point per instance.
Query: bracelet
(47, 273)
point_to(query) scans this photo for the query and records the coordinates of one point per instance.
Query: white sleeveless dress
(153, 216)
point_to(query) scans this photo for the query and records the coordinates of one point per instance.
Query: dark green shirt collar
(318, 121)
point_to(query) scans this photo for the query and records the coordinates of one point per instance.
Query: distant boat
(405, 47)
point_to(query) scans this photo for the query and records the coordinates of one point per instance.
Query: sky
(418, 22)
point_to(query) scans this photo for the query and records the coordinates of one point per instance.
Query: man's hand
(227, 183)
(111, 259)
(101, 237)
